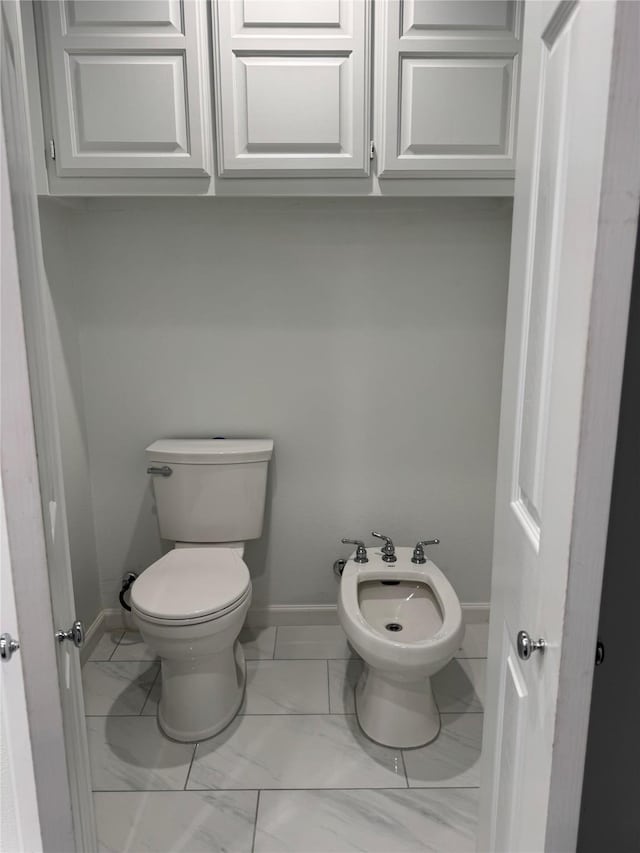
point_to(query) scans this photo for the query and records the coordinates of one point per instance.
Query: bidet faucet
(418, 551)
(388, 549)
(361, 551)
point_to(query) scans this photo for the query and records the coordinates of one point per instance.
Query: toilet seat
(192, 585)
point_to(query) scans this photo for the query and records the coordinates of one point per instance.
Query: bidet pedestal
(201, 696)
(394, 711)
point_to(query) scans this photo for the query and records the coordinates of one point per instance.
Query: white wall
(69, 399)
(364, 336)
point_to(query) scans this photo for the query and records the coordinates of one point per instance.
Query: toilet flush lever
(163, 471)
(418, 552)
(361, 551)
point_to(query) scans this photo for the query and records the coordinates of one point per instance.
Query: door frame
(64, 802)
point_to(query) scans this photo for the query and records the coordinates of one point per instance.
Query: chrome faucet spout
(388, 549)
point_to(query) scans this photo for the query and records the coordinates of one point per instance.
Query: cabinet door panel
(454, 106)
(128, 85)
(447, 87)
(475, 15)
(108, 122)
(292, 87)
(132, 16)
(292, 13)
(296, 123)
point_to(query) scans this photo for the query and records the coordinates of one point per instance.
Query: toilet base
(200, 697)
(396, 712)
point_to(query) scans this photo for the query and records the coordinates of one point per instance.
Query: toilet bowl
(405, 622)
(189, 607)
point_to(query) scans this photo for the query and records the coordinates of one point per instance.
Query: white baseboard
(259, 617)
(92, 637)
(475, 613)
(292, 614)
(327, 614)
(116, 617)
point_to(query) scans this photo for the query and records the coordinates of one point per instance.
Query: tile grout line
(186, 781)
(456, 714)
(115, 647)
(328, 688)
(255, 823)
(153, 684)
(267, 714)
(404, 767)
(249, 660)
(276, 790)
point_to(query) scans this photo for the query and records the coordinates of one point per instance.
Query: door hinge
(52, 149)
(372, 150)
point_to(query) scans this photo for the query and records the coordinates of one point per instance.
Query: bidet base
(201, 697)
(397, 713)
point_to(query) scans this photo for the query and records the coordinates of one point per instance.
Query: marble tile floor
(293, 772)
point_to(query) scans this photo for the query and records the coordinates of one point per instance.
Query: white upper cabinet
(292, 87)
(128, 85)
(446, 87)
(396, 97)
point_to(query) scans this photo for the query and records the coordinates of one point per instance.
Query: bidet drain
(393, 626)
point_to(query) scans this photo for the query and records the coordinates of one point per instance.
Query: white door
(33, 488)
(292, 87)
(19, 819)
(128, 87)
(575, 217)
(447, 76)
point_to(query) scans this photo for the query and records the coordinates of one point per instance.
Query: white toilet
(190, 604)
(405, 621)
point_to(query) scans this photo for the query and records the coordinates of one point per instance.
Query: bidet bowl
(422, 602)
(405, 621)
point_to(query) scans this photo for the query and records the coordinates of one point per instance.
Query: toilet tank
(209, 490)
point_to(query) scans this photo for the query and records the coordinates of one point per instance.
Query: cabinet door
(447, 87)
(292, 87)
(129, 87)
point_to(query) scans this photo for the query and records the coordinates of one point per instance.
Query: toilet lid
(191, 583)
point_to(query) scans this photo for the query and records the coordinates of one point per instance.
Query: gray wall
(364, 336)
(69, 399)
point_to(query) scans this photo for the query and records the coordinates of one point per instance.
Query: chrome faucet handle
(388, 549)
(361, 551)
(418, 552)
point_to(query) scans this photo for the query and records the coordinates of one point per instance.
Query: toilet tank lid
(210, 451)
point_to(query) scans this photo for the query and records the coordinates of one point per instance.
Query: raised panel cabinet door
(128, 85)
(446, 87)
(292, 87)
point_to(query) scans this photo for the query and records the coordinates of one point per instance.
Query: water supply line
(127, 583)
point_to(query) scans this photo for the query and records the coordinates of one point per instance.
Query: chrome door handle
(526, 646)
(8, 646)
(75, 634)
(163, 471)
